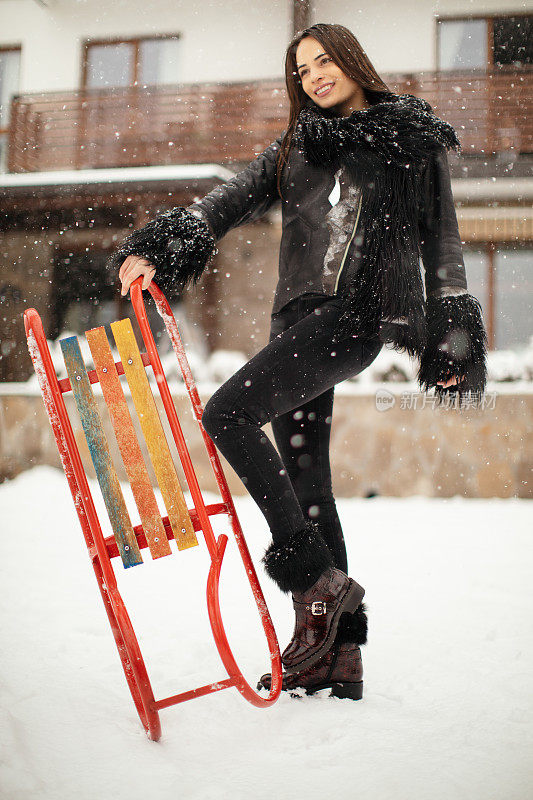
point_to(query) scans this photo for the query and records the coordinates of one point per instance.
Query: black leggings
(290, 383)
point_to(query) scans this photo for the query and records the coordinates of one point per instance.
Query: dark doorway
(84, 292)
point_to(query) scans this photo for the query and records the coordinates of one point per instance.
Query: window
(514, 297)
(477, 271)
(462, 44)
(507, 313)
(513, 41)
(481, 42)
(9, 86)
(110, 65)
(132, 62)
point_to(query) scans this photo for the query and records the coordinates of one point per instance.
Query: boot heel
(351, 691)
(354, 597)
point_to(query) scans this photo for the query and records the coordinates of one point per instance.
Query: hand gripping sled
(154, 532)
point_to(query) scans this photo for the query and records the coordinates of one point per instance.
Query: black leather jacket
(320, 247)
(306, 234)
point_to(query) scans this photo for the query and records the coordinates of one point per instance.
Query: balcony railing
(232, 122)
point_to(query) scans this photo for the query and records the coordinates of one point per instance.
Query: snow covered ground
(447, 709)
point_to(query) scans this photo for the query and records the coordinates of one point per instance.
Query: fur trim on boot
(178, 243)
(456, 345)
(353, 627)
(297, 565)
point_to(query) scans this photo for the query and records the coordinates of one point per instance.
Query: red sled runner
(154, 531)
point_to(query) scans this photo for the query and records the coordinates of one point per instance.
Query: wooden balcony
(233, 122)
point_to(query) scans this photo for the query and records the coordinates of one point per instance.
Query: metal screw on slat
(130, 360)
(104, 369)
(183, 530)
(78, 377)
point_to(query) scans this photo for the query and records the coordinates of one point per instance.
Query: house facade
(112, 113)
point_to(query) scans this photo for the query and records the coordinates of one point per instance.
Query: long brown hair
(343, 47)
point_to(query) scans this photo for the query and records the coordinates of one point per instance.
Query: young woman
(364, 183)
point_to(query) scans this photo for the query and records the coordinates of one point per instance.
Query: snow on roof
(79, 177)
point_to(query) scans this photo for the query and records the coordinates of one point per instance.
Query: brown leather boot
(340, 669)
(303, 565)
(318, 611)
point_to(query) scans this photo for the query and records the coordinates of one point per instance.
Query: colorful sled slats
(100, 455)
(178, 514)
(128, 444)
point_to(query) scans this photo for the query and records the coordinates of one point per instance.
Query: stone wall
(394, 450)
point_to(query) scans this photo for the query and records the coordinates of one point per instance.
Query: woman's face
(318, 70)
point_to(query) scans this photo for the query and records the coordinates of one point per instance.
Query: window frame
(10, 49)
(489, 249)
(135, 41)
(489, 19)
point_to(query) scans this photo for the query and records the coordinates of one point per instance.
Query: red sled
(155, 532)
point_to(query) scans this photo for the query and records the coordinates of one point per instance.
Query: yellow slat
(154, 435)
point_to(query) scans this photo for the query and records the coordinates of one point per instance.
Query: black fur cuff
(177, 243)
(296, 565)
(353, 627)
(456, 345)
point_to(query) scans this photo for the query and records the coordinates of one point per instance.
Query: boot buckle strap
(317, 608)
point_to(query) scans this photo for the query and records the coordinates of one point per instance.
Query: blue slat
(99, 450)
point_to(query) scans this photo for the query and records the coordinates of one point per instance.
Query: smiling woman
(364, 183)
(325, 82)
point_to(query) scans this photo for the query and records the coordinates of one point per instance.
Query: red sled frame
(102, 549)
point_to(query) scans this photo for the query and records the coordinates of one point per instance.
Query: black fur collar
(397, 129)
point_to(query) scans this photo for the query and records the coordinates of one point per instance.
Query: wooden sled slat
(128, 445)
(100, 455)
(154, 435)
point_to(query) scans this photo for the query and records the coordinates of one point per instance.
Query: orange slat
(128, 444)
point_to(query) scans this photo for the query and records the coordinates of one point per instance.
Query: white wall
(223, 40)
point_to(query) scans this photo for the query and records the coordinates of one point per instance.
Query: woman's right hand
(132, 268)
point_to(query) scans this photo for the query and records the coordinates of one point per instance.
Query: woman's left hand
(450, 382)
